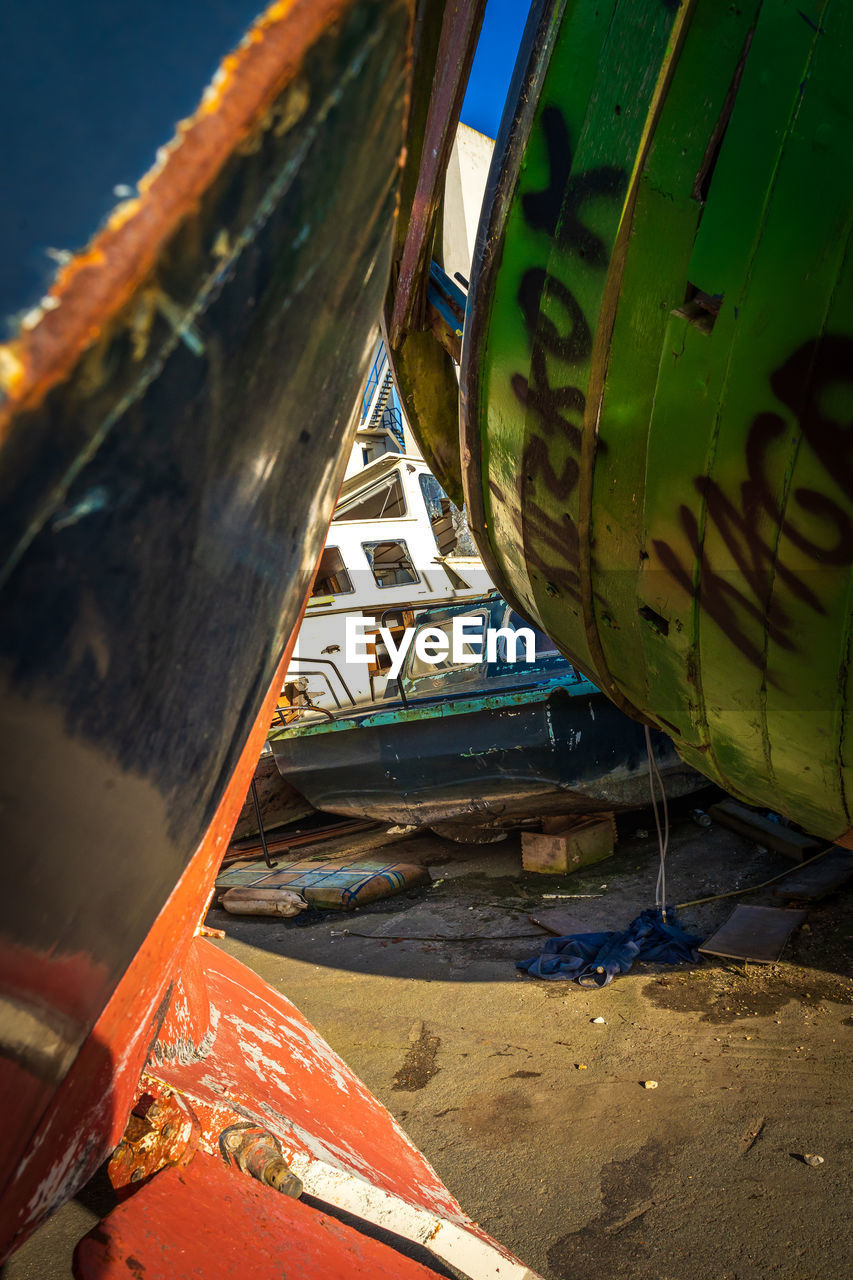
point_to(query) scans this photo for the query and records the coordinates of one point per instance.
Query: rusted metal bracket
(160, 1131)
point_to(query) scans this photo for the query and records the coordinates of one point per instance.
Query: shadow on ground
(473, 921)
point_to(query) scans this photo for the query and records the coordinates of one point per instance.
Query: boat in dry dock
(655, 389)
(655, 374)
(480, 741)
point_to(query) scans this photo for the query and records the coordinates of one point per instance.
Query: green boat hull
(657, 377)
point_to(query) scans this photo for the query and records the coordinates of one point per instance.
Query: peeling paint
(183, 1050)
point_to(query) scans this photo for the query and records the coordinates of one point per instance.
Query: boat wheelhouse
(397, 545)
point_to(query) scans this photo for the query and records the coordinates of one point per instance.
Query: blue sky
(493, 64)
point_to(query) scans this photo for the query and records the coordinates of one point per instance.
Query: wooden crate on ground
(586, 841)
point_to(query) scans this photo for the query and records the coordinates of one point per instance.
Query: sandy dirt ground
(535, 1115)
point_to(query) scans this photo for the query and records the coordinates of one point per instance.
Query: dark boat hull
(495, 763)
(172, 438)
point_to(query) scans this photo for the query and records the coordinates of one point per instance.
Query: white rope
(663, 835)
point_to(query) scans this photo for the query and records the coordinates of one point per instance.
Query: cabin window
(391, 563)
(473, 650)
(332, 578)
(545, 647)
(449, 526)
(385, 501)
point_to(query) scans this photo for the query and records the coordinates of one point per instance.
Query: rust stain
(97, 283)
(161, 1130)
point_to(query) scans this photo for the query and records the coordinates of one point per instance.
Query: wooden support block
(582, 844)
(728, 813)
(558, 823)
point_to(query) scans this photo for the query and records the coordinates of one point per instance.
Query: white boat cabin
(396, 546)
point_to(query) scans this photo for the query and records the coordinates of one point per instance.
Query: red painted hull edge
(87, 1116)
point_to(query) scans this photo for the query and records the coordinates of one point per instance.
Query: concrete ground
(535, 1115)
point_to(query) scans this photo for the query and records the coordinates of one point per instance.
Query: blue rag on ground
(594, 959)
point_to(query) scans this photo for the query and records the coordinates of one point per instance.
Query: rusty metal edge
(98, 282)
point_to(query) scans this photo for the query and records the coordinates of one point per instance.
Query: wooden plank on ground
(728, 813)
(754, 933)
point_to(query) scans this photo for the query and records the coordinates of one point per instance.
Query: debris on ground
(257, 901)
(813, 1161)
(553, 896)
(337, 884)
(554, 920)
(773, 835)
(594, 959)
(313, 838)
(650, 1084)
